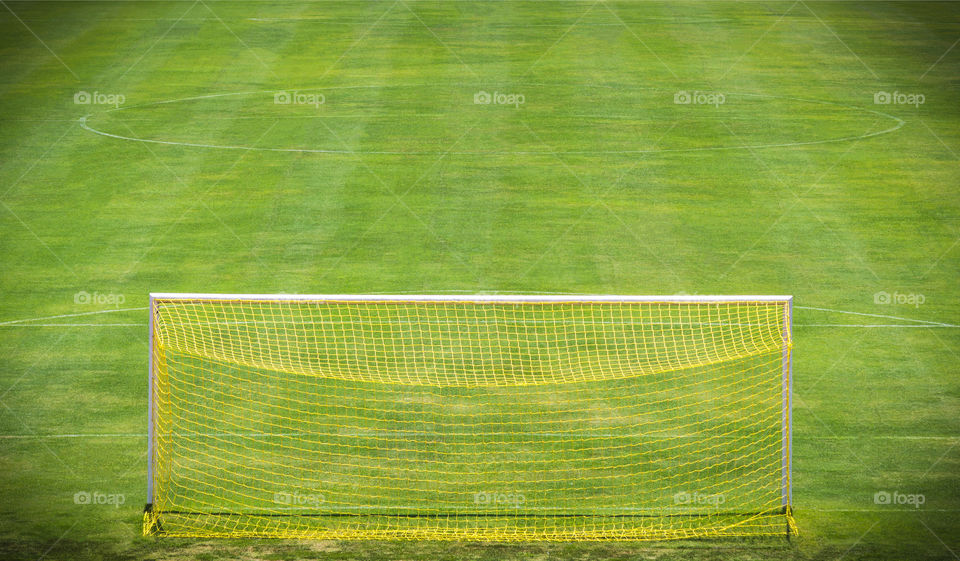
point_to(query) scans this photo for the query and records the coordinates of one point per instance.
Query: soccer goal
(494, 418)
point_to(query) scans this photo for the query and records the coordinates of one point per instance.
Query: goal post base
(791, 523)
(151, 521)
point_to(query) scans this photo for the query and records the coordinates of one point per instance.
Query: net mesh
(506, 420)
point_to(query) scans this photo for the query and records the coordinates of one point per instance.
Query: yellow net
(494, 420)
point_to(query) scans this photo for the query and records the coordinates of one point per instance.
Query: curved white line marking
(84, 125)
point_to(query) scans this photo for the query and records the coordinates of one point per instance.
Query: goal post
(473, 417)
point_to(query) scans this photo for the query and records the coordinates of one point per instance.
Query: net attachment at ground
(469, 418)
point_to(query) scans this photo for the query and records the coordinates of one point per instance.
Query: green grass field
(387, 173)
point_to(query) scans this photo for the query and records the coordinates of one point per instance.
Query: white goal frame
(787, 368)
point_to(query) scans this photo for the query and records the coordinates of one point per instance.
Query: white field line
(77, 325)
(17, 321)
(593, 511)
(85, 126)
(877, 316)
(28, 322)
(647, 20)
(876, 510)
(874, 325)
(844, 325)
(573, 322)
(375, 434)
(678, 20)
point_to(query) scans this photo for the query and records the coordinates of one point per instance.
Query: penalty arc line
(83, 124)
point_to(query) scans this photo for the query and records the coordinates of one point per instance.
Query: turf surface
(599, 181)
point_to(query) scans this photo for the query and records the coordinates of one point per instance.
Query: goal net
(470, 418)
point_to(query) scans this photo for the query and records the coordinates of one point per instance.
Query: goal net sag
(470, 417)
